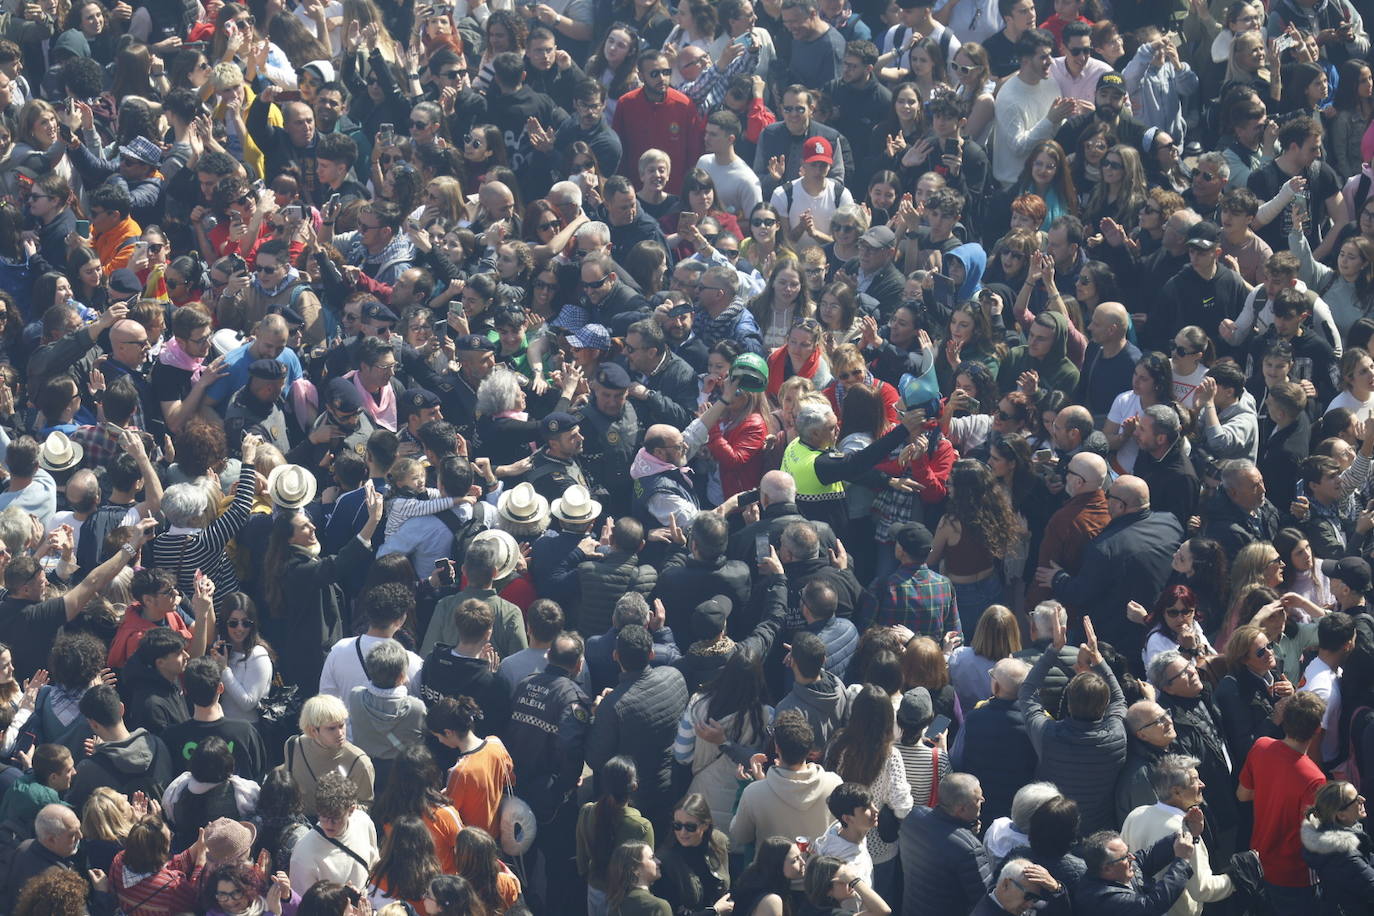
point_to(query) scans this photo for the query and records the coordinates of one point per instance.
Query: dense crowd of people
(783, 458)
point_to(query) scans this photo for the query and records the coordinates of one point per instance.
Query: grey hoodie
(824, 703)
(139, 762)
(383, 724)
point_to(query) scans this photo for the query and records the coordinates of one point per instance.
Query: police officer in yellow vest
(820, 471)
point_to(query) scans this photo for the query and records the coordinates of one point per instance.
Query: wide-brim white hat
(576, 506)
(523, 505)
(226, 340)
(59, 453)
(291, 486)
(509, 554)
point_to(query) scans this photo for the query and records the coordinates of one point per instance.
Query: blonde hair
(652, 156)
(846, 357)
(108, 816)
(321, 710)
(226, 75)
(797, 386)
(403, 468)
(450, 192)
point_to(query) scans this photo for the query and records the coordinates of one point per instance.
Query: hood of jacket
(798, 789)
(975, 261)
(381, 707)
(826, 695)
(142, 674)
(1331, 841)
(131, 756)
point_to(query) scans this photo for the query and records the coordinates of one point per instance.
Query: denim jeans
(974, 598)
(596, 902)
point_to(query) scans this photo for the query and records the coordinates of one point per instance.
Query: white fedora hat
(60, 453)
(508, 554)
(523, 505)
(226, 340)
(576, 506)
(291, 486)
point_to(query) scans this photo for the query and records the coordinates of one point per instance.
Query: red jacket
(673, 125)
(739, 451)
(172, 890)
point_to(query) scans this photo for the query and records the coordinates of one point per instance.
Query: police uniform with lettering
(245, 413)
(551, 476)
(610, 443)
(459, 396)
(550, 717)
(343, 396)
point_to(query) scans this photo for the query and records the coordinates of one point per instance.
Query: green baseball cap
(750, 371)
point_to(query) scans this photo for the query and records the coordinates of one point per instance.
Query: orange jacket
(115, 245)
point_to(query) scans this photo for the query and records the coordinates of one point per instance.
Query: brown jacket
(1067, 533)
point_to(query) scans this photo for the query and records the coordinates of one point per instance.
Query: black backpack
(193, 810)
(463, 532)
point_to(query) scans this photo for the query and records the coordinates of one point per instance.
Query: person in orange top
(155, 603)
(484, 768)
(407, 864)
(113, 230)
(413, 789)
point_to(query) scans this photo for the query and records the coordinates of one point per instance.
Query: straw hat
(508, 554)
(576, 506)
(523, 505)
(60, 453)
(291, 486)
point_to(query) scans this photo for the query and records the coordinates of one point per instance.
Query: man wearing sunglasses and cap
(135, 170)
(342, 426)
(1109, 106)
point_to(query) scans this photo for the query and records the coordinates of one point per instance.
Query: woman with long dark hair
(247, 658)
(734, 698)
(613, 64)
(1121, 192)
(603, 825)
(1354, 105)
(407, 863)
(305, 603)
(633, 869)
(976, 532)
(865, 752)
(968, 338)
(413, 789)
(1302, 572)
(1152, 383)
(281, 818)
(452, 895)
(695, 863)
(765, 887)
(1047, 175)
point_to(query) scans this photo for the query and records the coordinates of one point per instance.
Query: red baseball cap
(818, 149)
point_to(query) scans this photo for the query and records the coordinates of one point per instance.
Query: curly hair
(201, 448)
(982, 508)
(53, 892)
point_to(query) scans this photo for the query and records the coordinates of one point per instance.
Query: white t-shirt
(1126, 405)
(1186, 385)
(342, 670)
(1318, 678)
(822, 207)
(737, 187)
(1362, 409)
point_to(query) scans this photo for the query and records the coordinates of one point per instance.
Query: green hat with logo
(750, 371)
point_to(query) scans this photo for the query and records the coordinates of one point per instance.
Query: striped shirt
(183, 553)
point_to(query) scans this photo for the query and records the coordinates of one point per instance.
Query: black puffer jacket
(1343, 858)
(1199, 729)
(945, 866)
(603, 581)
(150, 700)
(993, 745)
(1246, 713)
(639, 718)
(684, 582)
(1083, 756)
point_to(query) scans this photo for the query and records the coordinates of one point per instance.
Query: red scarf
(779, 366)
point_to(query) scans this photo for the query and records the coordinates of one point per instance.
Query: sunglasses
(962, 68)
(549, 225)
(1184, 351)
(1264, 650)
(1206, 176)
(1179, 611)
(685, 828)
(1004, 416)
(419, 125)
(794, 109)
(155, 247)
(1112, 164)
(1079, 52)
(1356, 799)
(662, 71)
(763, 223)
(545, 286)
(597, 284)
(264, 269)
(730, 253)
(391, 160)
(239, 624)
(453, 74)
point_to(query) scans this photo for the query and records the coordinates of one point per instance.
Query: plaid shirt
(100, 446)
(708, 89)
(920, 599)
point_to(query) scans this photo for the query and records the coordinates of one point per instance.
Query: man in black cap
(376, 320)
(1109, 105)
(916, 596)
(458, 390)
(676, 321)
(416, 407)
(342, 426)
(611, 430)
(1205, 292)
(555, 465)
(256, 407)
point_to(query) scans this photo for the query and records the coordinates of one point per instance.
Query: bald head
(1087, 472)
(1142, 713)
(495, 196)
(1108, 324)
(271, 334)
(1128, 494)
(129, 342)
(777, 487)
(666, 443)
(1007, 676)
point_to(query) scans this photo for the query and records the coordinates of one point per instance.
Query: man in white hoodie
(790, 800)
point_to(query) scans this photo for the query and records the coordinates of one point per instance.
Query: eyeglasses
(1112, 164)
(1207, 176)
(1079, 52)
(696, 61)
(1118, 859)
(1161, 721)
(720, 289)
(142, 344)
(1186, 669)
(265, 269)
(1030, 895)
(684, 827)
(1264, 650)
(794, 109)
(761, 222)
(1184, 351)
(240, 624)
(597, 284)
(419, 125)
(1179, 611)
